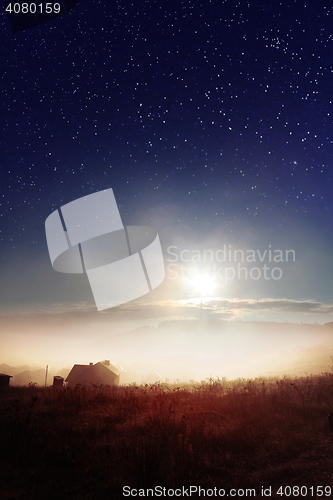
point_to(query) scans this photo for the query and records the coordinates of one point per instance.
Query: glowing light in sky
(204, 284)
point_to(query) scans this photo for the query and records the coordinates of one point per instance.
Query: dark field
(87, 443)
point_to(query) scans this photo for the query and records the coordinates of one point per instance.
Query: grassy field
(87, 443)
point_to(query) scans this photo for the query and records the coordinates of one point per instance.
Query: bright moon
(205, 284)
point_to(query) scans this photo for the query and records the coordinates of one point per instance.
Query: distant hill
(27, 376)
(11, 370)
(178, 337)
(195, 350)
(328, 326)
(24, 375)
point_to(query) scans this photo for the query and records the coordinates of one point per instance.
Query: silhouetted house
(102, 373)
(58, 381)
(4, 380)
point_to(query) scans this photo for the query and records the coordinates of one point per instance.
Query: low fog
(175, 350)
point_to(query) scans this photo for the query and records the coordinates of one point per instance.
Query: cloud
(268, 305)
(82, 315)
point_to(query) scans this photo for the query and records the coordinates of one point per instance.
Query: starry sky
(210, 120)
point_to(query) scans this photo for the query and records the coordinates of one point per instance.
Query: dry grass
(87, 443)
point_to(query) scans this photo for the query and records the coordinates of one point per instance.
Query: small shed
(4, 380)
(58, 381)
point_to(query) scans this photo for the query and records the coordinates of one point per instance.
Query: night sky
(211, 121)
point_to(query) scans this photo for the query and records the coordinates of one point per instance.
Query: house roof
(81, 373)
(76, 373)
(5, 375)
(114, 369)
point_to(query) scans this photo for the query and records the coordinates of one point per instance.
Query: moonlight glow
(204, 284)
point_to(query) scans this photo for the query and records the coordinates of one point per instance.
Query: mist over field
(176, 350)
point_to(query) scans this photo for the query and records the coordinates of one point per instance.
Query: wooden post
(47, 369)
